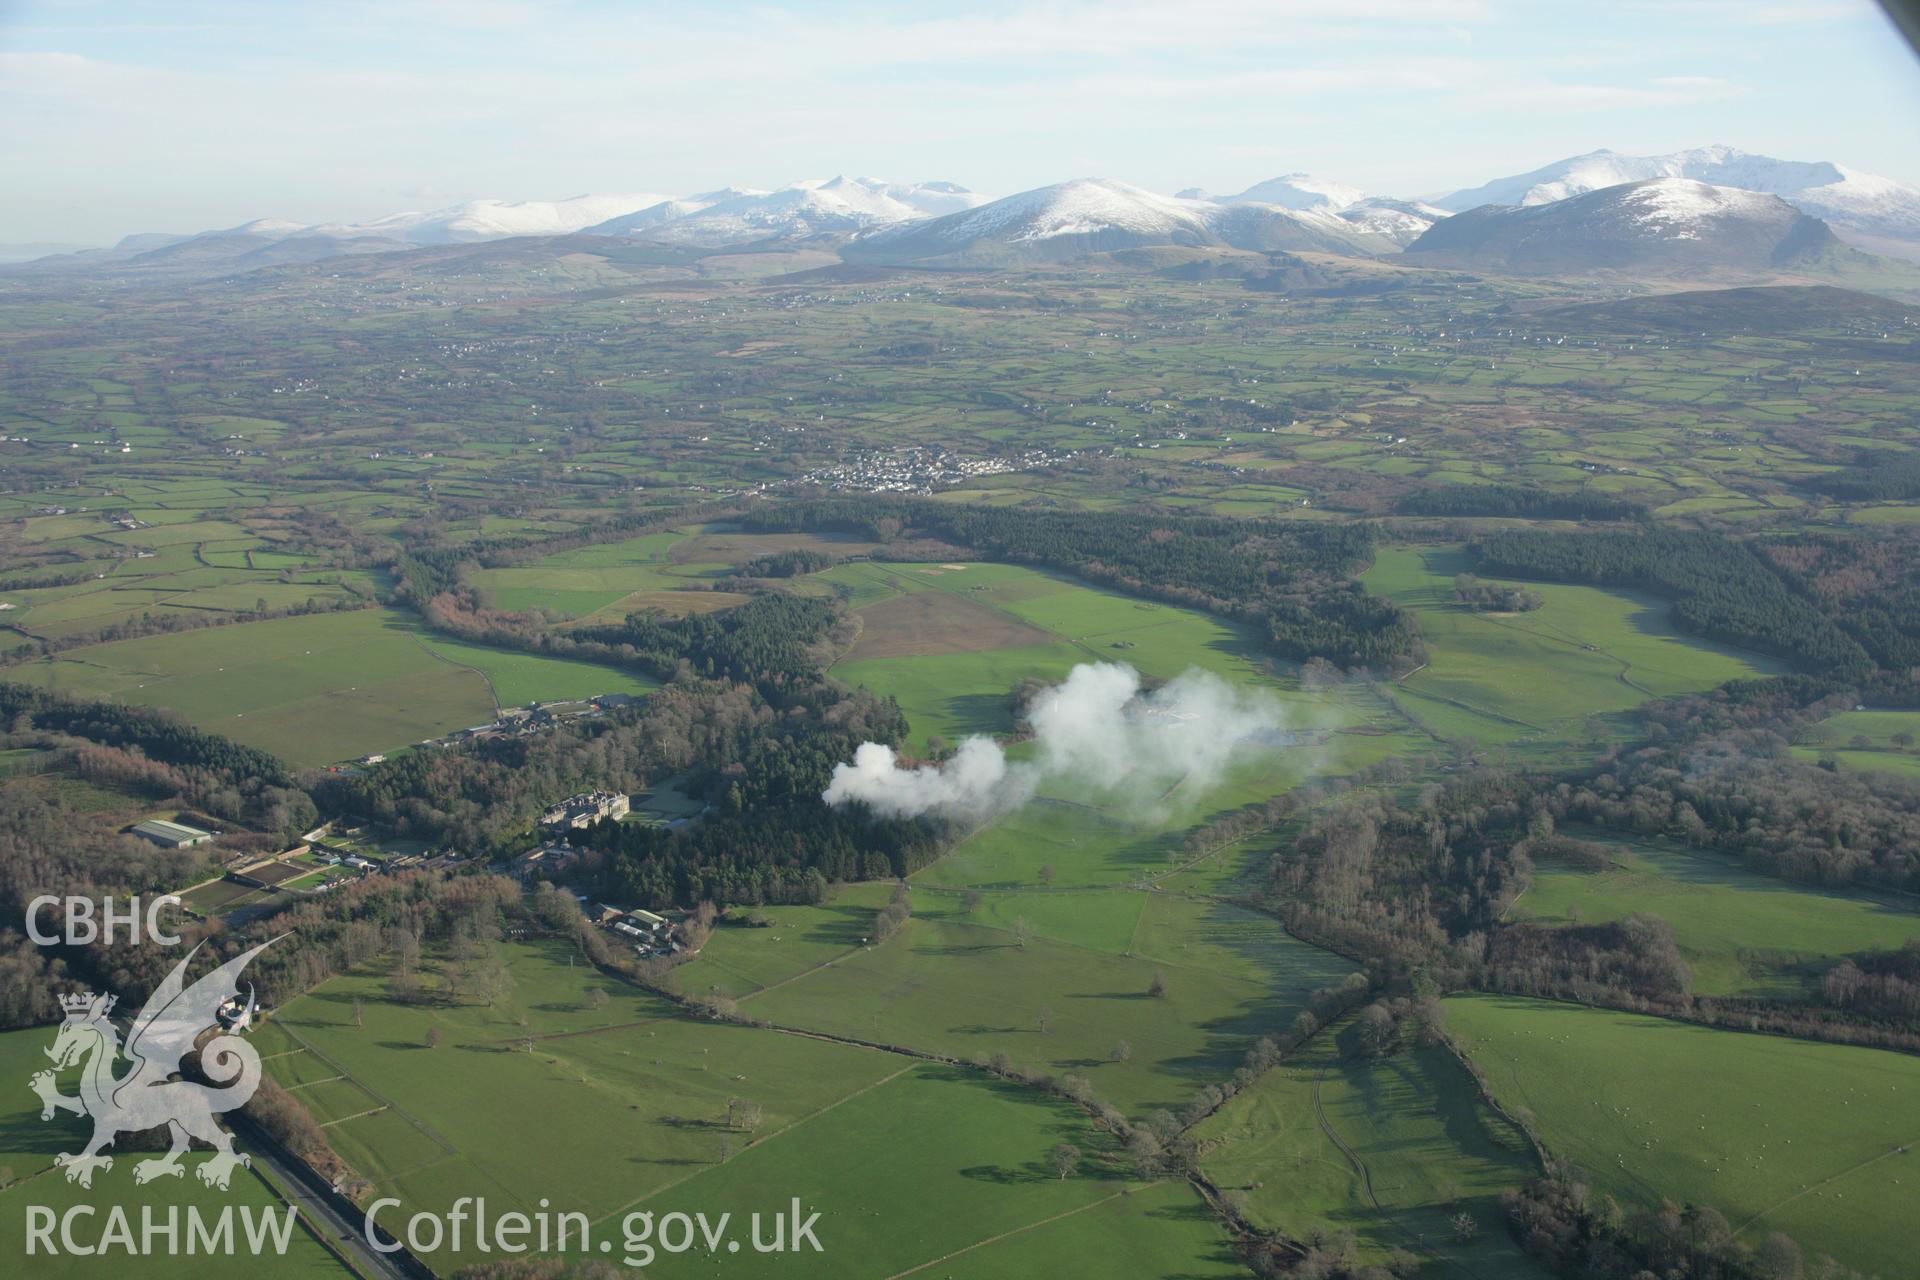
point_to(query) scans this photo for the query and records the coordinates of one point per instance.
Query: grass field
(671, 571)
(1539, 675)
(311, 689)
(937, 1166)
(952, 662)
(1899, 764)
(1865, 741)
(520, 678)
(631, 1097)
(324, 687)
(1790, 1135)
(1740, 933)
(1389, 1150)
(28, 1146)
(950, 985)
(630, 1114)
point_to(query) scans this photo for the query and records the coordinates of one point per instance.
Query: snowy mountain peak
(1681, 207)
(1299, 191)
(492, 219)
(1084, 206)
(810, 207)
(1102, 215)
(1659, 226)
(1874, 211)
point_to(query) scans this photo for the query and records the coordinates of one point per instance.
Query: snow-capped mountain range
(1861, 206)
(804, 209)
(465, 223)
(1666, 224)
(1096, 215)
(879, 220)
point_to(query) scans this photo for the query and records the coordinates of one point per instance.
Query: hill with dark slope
(1665, 225)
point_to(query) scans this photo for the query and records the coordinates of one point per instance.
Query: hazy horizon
(128, 117)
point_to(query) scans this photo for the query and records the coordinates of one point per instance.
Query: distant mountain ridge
(1860, 206)
(1098, 215)
(1660, 224)
(838, 205)
(1726, 214)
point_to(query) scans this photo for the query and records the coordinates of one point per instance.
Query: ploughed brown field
(931, 622)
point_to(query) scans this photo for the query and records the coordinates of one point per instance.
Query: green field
(520, 678)
(941, 1166)
(324, 687)
(954, 688)
(671, 571)
(1864, 740)
(1779, 1135)
(28, 1146)
(630, 1115)
(1538, 675)
(1389, 1149)
(1740, 933)
(950, 985)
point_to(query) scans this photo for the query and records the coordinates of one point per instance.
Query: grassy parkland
(606, 1100)
(1812, 1139)
(1536, 678)
(1740, 933)
(323, 687)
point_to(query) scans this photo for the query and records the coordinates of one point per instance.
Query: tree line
(1294, 580)
(1720, 589)
(1518, 502)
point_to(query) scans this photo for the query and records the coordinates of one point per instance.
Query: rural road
(322, 1217)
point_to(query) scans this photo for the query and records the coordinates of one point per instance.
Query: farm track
(1366, 1177)
(543, 1037)
(622, 1210)
(1031, 1226)
(431, 652)
(391, 1105)
(1897, 1149)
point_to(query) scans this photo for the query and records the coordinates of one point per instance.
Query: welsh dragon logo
(150, 1094)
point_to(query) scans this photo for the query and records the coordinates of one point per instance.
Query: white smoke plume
(1096, 729)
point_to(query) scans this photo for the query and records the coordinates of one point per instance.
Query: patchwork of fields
(951, 643)
(1075, 936)
(1812, 1139)
(325, 687)
(632, 1114)
(1391, 1150)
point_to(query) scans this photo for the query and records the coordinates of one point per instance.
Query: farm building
(586, 809)
(170, 835)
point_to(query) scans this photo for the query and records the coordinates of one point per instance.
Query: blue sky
(118, 116)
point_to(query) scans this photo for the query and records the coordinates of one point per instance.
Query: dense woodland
(1518, 502)
(1872, 479)
(1493, 597)
(749, 723)
(1870, 586)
